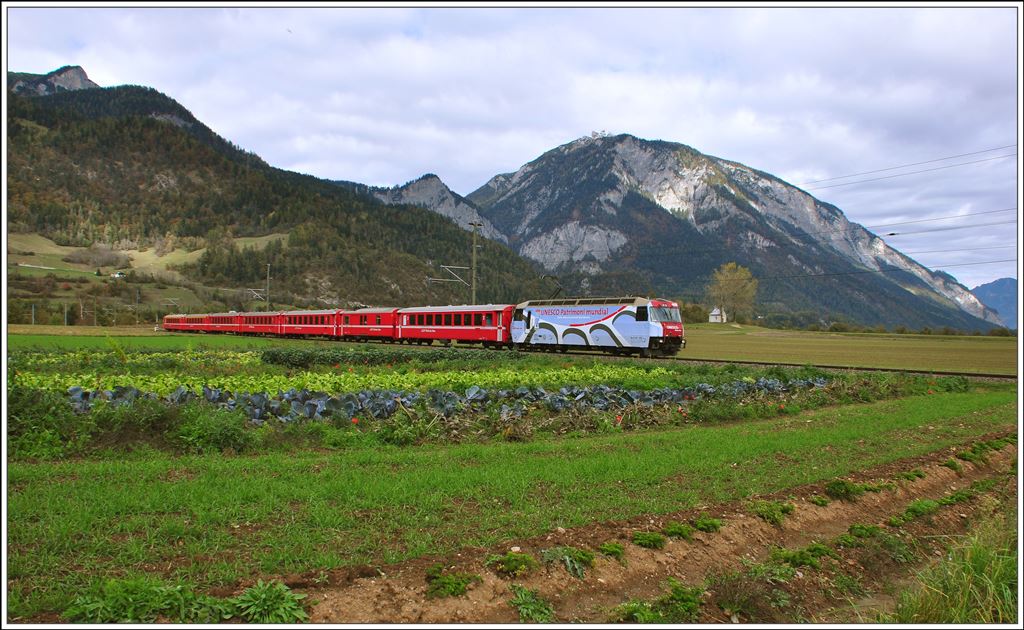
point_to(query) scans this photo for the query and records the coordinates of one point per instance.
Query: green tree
(733, 289)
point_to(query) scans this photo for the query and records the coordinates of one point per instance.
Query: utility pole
(65, 313)
(476, 226)
(33, 314)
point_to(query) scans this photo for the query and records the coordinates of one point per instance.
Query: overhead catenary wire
(955, 216)
(893, 168)
(971, 249)
(948, 229)
(925, 170)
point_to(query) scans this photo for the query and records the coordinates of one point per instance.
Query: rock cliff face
(64, 79)
(608, 204)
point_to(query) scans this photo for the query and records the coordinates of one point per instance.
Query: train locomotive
(618, 325)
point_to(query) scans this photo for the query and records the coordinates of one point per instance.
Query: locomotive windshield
(665, 314)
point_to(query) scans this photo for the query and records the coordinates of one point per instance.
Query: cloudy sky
(382, 95)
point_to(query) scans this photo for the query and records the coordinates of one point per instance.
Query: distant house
(717, 316)
(119, 274)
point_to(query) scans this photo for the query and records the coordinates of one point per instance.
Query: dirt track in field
(397, 593)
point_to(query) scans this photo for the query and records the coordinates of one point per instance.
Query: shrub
(208, 429)
(612, 549)
(143, 600)
(911, 475)
(864, 531)
(441, 584)
(819, 500)
(270, 602)
(512, 564)
(806, 557)
(575, 560)
(772, 511)
(705, 523)
(953, 465)
(531, 608)
(921, 507)
(752, 592)
(678, 530)
(42, 424)
(680, 605)
(844, 490)
(650, 540)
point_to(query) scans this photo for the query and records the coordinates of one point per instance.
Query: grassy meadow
(993, 355)
(212, 520)
(200, 495)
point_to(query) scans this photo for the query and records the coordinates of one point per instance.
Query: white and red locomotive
(619, 325)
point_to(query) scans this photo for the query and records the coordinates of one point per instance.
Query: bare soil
(397, 593)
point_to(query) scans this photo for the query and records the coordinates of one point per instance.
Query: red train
(620, 325)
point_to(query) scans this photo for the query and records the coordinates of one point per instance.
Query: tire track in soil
(397, 593)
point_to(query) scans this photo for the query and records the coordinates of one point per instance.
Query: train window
(458, 319)
(489, 319)
(447, 319)
(378, 319)
(517, 315)
(641, 313)
(347, 320)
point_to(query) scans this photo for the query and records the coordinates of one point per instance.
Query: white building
(717, 316)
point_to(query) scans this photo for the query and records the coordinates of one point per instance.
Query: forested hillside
(130, 167)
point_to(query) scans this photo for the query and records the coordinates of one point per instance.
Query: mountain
(1000, 295)
(132, 168)
(618, 213)
(430, 192)
(66, 79)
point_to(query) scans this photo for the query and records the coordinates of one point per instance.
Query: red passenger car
(260, 323)
(310, 323)
(487, 324)
(221, 323)
(186, 323)
(368, 323)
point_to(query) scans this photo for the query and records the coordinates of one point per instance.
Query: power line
(926, 170)
(948, 229)
(972, 249)
(971, 214)
(893, 168)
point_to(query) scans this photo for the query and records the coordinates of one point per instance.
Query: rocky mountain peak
(65, 79)
(602, 204)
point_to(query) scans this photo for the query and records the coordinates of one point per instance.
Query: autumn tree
(732, 289)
